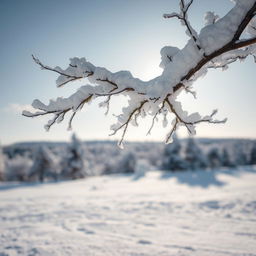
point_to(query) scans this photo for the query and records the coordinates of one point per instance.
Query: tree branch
(181, 69)
(184, 21)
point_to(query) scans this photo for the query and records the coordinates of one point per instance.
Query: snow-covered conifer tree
(18, 168)
(221, 41)
(44, 166)
(214, 158)
(240, 155)
(126, 163)
(73, 164)
(253, 154)
(194, 156)
(172, 159)
(2, 164)
(225, 159)
(108, 168)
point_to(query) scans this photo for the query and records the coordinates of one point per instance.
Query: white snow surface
(189, 213)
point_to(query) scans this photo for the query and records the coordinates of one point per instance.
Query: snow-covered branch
(218, 44)
(183, 17)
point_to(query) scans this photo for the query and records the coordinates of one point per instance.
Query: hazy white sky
(118, 34)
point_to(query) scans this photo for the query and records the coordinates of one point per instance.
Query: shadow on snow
(196, 178)
(206, 178)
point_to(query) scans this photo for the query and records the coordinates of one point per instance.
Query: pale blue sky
(118, 34)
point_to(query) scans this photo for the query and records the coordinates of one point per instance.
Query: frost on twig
(217, 45)
(183, 17)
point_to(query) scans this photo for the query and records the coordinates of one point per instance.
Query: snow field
(188, 213)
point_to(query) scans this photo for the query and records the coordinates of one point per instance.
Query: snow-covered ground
(191, 213)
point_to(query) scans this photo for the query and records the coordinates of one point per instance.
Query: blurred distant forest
(49, 161)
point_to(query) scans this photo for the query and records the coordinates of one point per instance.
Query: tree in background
(172, 159)
(240, 155)
(221, 41)
(214, 158)
(194, 156)
(44, 166)
(18, 168)
(72, 164)
(125, 164)
(226, 162)
(108, 168)
(253, 154)
(2, 164)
